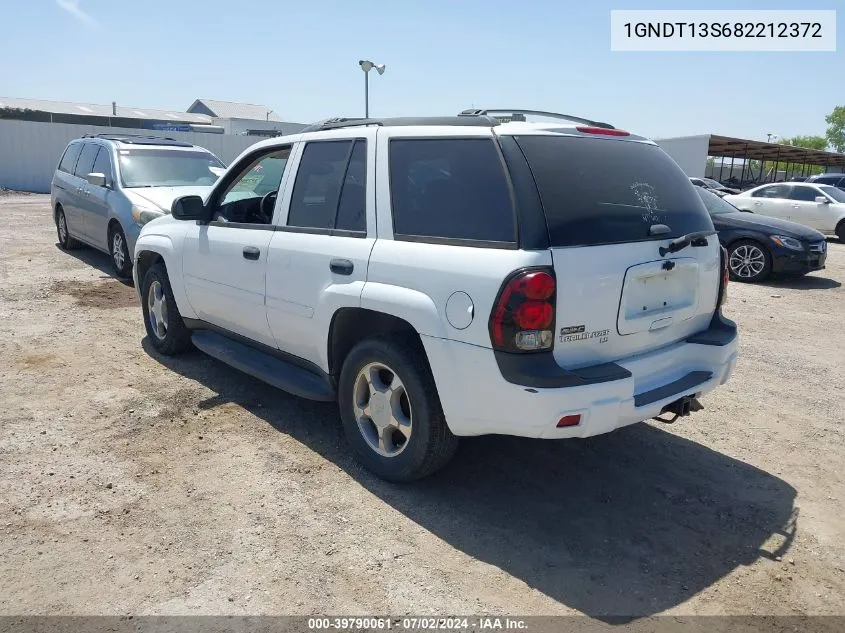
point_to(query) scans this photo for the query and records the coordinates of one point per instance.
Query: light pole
(367, 66)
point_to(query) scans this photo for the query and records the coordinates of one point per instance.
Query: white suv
(450, 276)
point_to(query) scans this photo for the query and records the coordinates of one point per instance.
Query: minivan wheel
(65, 240)
(390, 409)
(119, 252)
(165, 328)
(749, 261)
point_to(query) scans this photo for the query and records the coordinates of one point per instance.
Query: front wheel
(749, 261)
(390, 409)
(840, 231)
(119, 251)
(165, 327)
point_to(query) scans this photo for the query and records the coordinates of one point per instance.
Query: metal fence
(30, 150)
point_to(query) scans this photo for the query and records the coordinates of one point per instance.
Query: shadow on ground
(802, 283)
(627, 524)
(96, 259)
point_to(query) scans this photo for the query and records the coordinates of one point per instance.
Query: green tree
(836, 128)
(810, 142)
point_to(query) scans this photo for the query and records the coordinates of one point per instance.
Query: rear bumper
(478, 400)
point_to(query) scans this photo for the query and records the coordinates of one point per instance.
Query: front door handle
(341, 266)
(250, 252)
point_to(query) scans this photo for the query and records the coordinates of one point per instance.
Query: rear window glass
(450, 188)
(598, 191)
(68, 161)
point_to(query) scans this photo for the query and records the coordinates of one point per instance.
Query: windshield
(598, 191)
(833, 192)
(167, 168)
(715, 205)
(713, 184)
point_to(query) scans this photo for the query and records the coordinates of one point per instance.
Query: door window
(102, 165)
(86, 160)
(772, 191)
(331, 186)
(804, 194)
(250, 198)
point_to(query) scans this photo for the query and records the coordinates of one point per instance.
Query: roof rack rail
(518, 111)
(139, 139)
(341, 122)
(338, 122)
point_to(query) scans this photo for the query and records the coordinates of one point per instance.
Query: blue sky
(300, 58)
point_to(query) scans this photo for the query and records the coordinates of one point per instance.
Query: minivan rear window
(602, 191)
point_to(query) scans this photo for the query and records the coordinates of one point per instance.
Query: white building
(244, 118)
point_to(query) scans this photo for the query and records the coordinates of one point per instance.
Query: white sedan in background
(821, 207)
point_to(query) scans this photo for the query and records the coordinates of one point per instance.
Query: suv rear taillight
(723, 282)
(523, 317)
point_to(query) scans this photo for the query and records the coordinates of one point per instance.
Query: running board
(274, 371)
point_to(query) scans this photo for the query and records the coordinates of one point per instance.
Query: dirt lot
(133, 483)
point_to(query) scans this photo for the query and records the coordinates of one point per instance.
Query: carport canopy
(729, 147)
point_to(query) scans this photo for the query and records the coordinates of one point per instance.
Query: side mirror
(822, 200)
(188, 208)
(98, 180)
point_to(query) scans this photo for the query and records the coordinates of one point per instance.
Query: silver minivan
(106, 187)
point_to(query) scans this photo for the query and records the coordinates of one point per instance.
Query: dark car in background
(834, 180)
(760, 245)
(713, 185)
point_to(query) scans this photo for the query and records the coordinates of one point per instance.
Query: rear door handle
(341, 266)
(250, 252)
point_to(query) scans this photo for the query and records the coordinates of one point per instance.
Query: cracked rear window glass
(601, 191)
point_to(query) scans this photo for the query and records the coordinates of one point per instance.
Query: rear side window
(772, 191)
(86, 160)
(68, 161)
(805, 194)
(598, 191)
(330, 188)
(450, 188)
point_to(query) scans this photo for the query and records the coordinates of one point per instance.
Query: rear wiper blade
(684, 241)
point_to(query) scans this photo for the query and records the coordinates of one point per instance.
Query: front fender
(169, 249)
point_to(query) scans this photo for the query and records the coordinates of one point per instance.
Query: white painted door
(772, 200)
(225, 262)
(318, 256)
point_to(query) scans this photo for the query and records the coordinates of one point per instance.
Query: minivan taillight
(723, 282)
(523, 317)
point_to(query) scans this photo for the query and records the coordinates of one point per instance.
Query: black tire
(65, 240)
(177, 337)
(749, 272)
(119, 252)
(431, 444)
(840, 231)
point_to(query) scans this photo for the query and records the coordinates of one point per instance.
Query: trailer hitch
(680, 408)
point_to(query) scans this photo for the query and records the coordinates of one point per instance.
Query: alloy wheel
(157, 309)
(747, 261)
(117, 250)
(382, 409)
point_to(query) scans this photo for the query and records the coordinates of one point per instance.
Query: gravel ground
(134, 483)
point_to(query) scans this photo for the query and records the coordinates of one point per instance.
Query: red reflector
(602, 130)
(534, 315)
(538, 286)
(569, 420)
